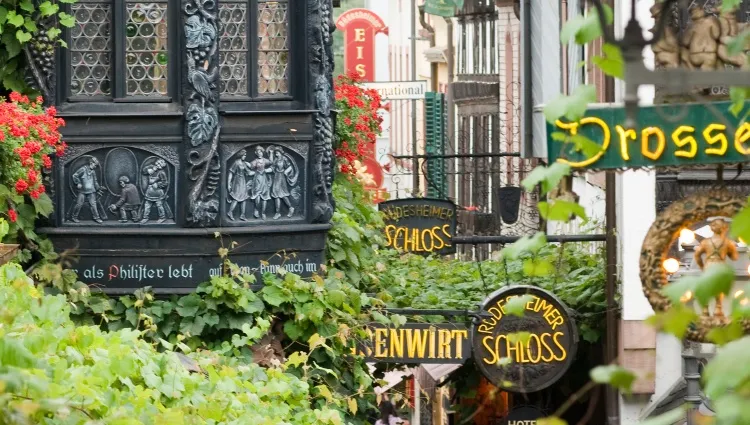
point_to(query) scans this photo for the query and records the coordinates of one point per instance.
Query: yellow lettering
(360, 52)
(562, 349)
(396, 239)
(510, 346)
(359, 34)
(741, 136)
(716, 138)
(431, 246)
(549, 349)
(459, 337)
(439, 244)
(397, 342)
(573, 127)
(380, 334)
(624, 136)
(687, 140)
(444, 344)
(389, 237)
(416, 342)
(538, 349)
(431, 354)
(493, 351)
(661, 142)
(447, 234)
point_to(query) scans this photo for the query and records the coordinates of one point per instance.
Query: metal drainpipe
(433, 65)
(611, 338)
(414, 144)
(528, 100)
(449, 95)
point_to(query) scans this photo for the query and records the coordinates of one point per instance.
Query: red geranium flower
(12, 215)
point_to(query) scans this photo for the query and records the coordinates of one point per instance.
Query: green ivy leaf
(548, 177)
(27, 5)
(722, 374)
(336, 297)
(188, 305)
(48, 9)
(561, 210)
(30, 25)
(716, 279)
(740, 226)
(66, 20)
(571, 107)
(14, 19)
(613, 375)
(53, 33)
(524, 245)
(552, 420)
(674, 321)
(274, 295)
(4, 228)
(516, 306)
(3, 15)
(537, 267)
(585, 29)
(23, 36)
(726, 334)
(611, 63)
(738, 95)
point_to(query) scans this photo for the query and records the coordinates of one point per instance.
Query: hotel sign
(695, 137)
(417, 343)
(420, 225)
(524, 353)
(399, 90)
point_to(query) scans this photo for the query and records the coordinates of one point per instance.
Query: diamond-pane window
(233, 49)
(254, 48)
(273, 48)
(146, 48)
(90, 49)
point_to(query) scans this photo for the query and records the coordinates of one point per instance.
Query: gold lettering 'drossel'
(418, 240)
(405, 343)
(653, 140)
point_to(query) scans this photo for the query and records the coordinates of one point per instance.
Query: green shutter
(435, 137)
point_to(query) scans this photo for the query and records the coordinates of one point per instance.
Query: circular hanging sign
(525, 353)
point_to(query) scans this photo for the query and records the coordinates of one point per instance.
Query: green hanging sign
(445, 8)
(664, 136)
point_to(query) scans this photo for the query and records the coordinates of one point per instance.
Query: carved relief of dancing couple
(272, 174)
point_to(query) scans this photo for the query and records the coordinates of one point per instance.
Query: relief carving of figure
(260, 186)
(88, 187)
(702, 40)
(284, 179)
(716, 249)
(729, 30)
(237, 182)
(157, 183)
(667, 49)
(129, 202)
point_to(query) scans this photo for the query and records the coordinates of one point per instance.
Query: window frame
(252, 71)
(118, 73)
(297, 73)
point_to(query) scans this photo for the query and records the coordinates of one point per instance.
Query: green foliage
(571, 107)
(613, 375)
(18, 30)
(53, 371)
(585, 29)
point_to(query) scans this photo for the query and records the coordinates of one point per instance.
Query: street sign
(417, 343)
(664, 136)
(399, 90)
(445, 8)
(420, 225)
(527, 353)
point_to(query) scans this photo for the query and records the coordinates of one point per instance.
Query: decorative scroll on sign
(420, 225)
(417, 343)
(524, 353)
(659, 139)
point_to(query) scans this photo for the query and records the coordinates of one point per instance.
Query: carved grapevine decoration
(201, 121)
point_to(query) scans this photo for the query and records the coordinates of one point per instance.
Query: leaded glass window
(129, 60)
(91, 48)
(254, 48)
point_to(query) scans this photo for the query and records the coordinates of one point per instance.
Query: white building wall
(636, 211)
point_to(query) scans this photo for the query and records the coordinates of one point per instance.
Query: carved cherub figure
(717, 249)
(666, 49)
(729, 30)
(702, 39)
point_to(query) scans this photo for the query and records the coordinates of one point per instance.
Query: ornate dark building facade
(192, 125)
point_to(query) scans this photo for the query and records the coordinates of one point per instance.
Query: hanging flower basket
(7, 252)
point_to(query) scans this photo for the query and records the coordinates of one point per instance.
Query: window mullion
(118, 49)
(252, 44)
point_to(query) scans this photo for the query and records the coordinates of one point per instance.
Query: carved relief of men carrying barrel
(716, 249)
(87, 184)
(156, 182)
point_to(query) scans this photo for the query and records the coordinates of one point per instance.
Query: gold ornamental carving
(715, 206)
